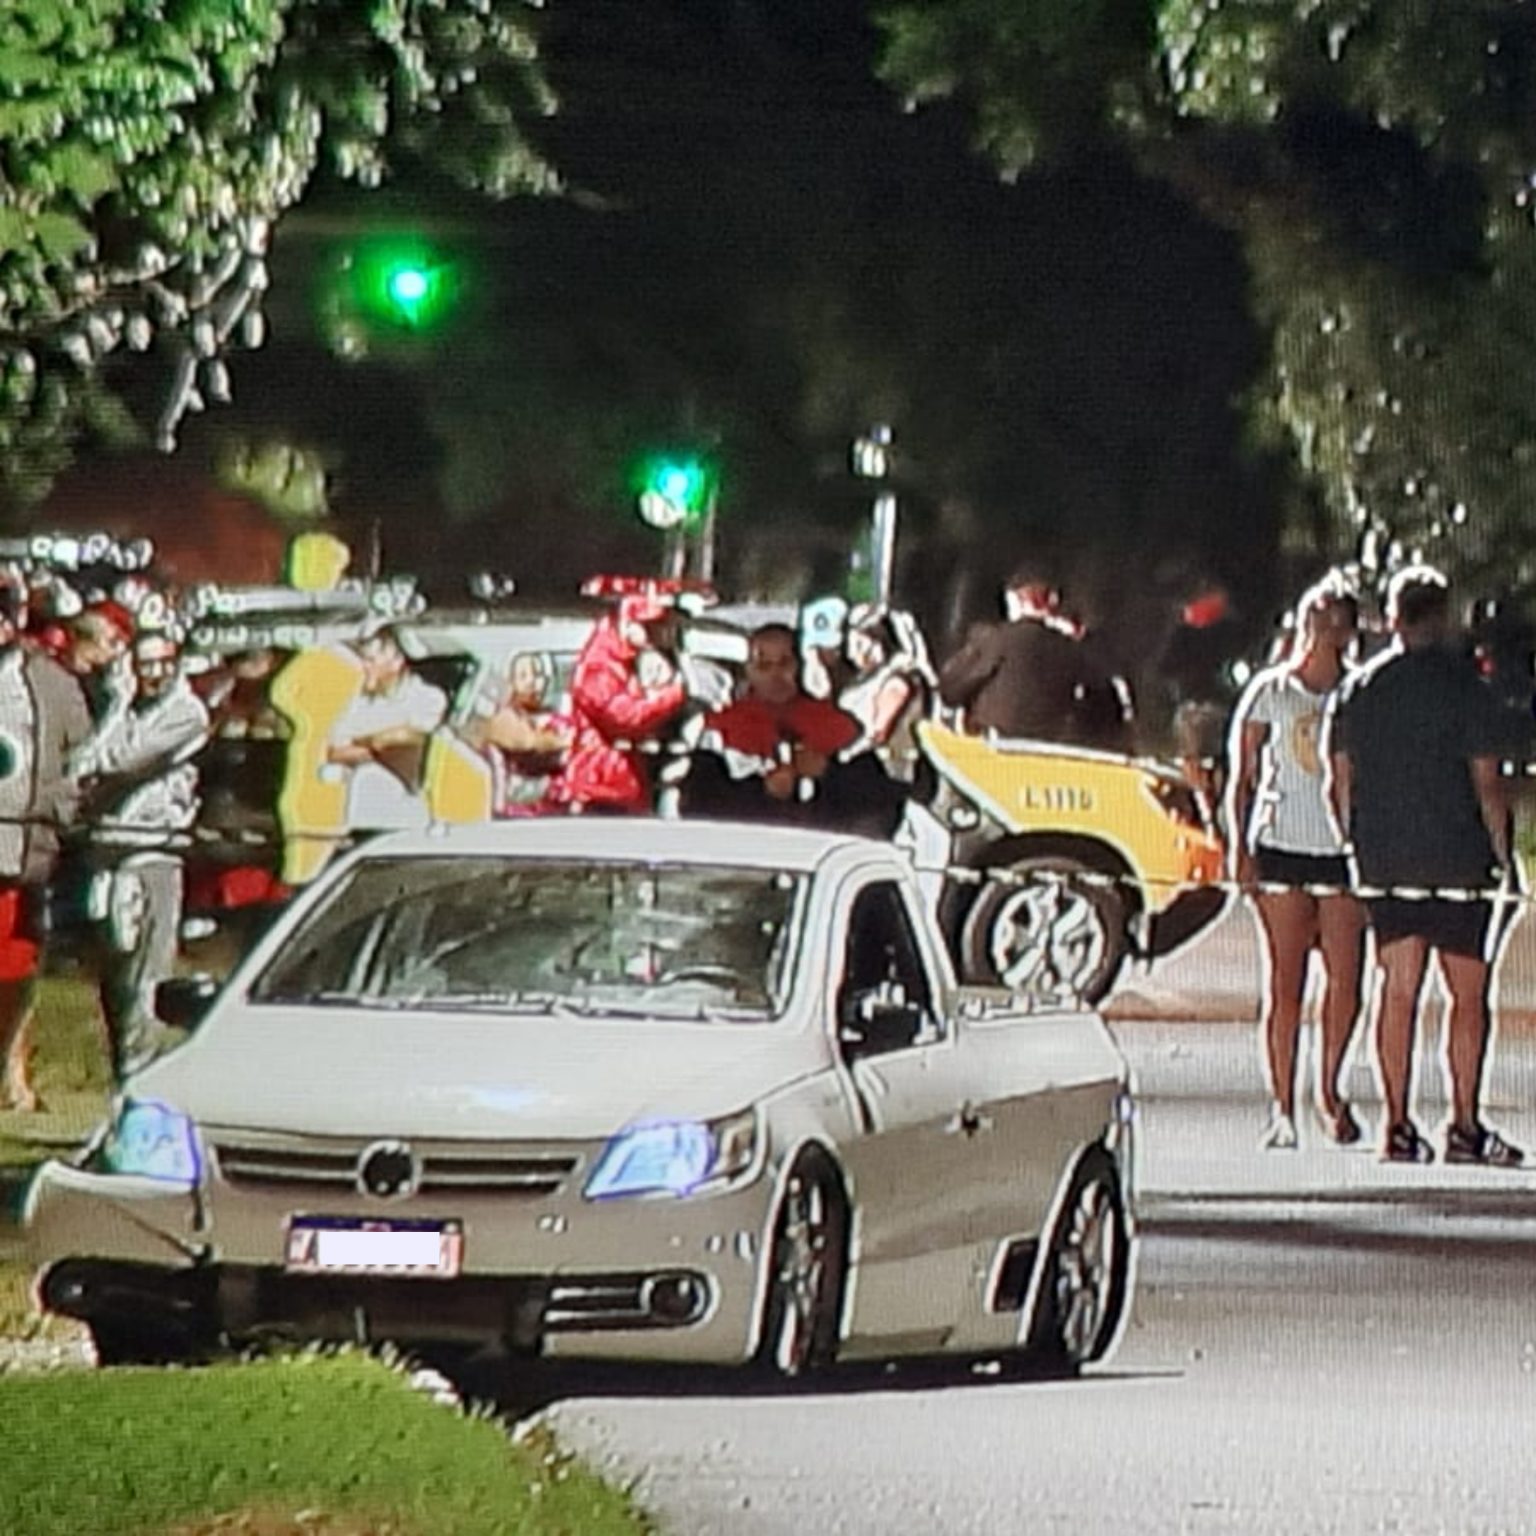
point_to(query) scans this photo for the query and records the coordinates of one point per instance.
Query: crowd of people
(1358, 780)
(98, 729)
(1359, 789)
(105, 712)
(775, 747)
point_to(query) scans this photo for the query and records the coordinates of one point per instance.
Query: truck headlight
(674, 1157)
(153, 1141)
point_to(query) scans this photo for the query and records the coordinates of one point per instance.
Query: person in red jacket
(625, 690)
(779, 754)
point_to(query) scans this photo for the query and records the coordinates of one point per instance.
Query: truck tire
(1086, 1280)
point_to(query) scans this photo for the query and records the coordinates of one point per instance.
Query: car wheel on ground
(1084, 1281)
(1049, 927)
(805, 1275)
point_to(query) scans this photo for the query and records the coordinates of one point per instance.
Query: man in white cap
(380, 740)
(825, 670)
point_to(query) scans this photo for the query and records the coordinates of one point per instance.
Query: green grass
(69, 1071)
(326, 1445)
(307, 1442)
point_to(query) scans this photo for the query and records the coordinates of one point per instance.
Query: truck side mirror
(183, 1001)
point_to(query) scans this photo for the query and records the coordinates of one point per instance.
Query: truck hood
(340, 1071)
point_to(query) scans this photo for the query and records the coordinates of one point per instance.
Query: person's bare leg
(1466, 979)
(1288, 920)
(16, 1044)
(1341, 937)
(1402, 966)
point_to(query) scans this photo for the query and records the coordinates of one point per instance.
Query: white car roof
(627, 838)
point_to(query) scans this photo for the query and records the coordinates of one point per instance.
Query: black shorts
(1278, 866)
(1456, 927)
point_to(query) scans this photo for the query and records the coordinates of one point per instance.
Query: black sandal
(1477, 1144)
(1405, 1145)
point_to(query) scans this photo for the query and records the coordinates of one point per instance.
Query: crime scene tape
(110, 836)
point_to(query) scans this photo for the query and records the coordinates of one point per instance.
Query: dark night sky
(766, 250)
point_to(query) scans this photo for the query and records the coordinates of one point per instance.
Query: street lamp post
(871, 460)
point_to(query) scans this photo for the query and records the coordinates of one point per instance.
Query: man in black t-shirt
(1415, 743)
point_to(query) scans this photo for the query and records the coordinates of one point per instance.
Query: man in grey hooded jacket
(140, 766)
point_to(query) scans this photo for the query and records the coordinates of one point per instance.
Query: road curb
(1304, 1224)
(1134, 1006)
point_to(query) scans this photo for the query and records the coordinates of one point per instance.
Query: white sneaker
(1280, 1136)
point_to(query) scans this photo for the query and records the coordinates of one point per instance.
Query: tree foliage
(1379, 161)
(148, 149)
(763, 258)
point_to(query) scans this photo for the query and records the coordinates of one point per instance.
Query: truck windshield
(520, 934)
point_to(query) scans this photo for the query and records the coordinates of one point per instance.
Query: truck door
(911, 1165)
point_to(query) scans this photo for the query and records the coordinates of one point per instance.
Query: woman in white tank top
(1287, 851)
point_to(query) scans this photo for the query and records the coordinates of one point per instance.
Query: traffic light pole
(707, 540)
(680, 498)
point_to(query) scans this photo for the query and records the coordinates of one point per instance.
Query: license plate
(343, 1245)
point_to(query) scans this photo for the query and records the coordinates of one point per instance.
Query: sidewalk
(1217, 977)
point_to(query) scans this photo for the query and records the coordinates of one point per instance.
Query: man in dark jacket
(1033, 675)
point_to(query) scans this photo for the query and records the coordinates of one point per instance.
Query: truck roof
(663, 840)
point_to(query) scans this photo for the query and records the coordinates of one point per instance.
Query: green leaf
(83, 173)
(16, 230)
(60, 235)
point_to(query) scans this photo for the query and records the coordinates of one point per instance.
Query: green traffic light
(412, 292)
(674, 490)
(679, 483)
(409, 286)
(402, 282)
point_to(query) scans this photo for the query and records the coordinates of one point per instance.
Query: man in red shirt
(775, 754)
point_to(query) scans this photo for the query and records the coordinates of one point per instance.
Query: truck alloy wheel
(805, 1280)
(1083, 1287)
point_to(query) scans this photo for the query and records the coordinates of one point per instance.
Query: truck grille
(334, 1166)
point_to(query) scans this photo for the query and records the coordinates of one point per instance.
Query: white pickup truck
(607, 1088)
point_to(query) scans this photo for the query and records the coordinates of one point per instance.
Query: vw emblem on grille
(389, 1170)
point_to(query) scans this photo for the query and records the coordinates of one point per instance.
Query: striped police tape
(1108, 880)
(125, 836)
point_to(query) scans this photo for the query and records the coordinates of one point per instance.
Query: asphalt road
(1319, 1344)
